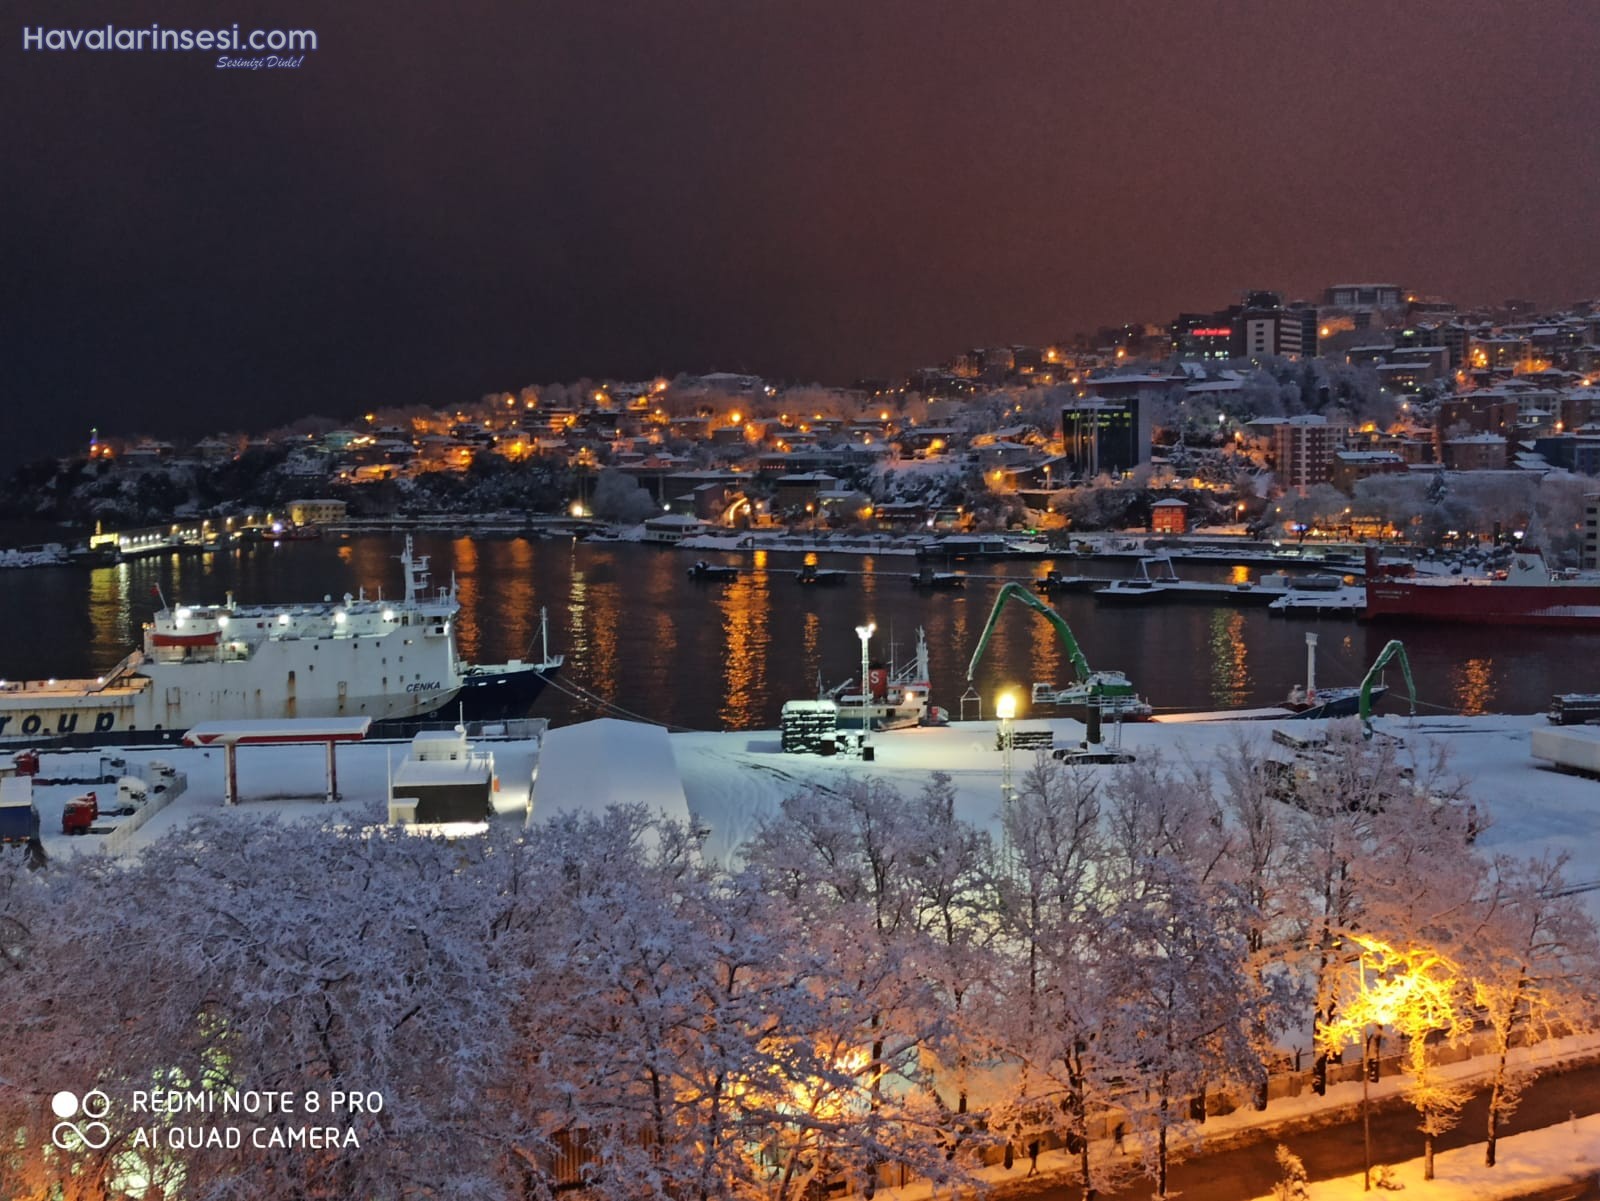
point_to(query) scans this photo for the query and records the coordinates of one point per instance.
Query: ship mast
(415, 568)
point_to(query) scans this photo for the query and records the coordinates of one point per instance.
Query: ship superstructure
(354, 657)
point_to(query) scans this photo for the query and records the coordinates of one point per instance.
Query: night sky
(451, 199)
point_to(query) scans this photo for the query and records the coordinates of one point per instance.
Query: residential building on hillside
(1303, 450)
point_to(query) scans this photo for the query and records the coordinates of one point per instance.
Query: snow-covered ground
(1528, 1163)
(733, 780)
(283, 782)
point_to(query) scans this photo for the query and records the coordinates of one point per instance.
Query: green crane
(1393, 649)
(1107, 690)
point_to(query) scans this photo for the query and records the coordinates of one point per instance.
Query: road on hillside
(1249, 1169)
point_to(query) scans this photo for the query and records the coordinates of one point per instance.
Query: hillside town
(1372, 413)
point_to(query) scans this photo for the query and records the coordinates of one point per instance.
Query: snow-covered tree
(619, 497)
(1186, 1000)
(1531, 963)
(1050, 1002)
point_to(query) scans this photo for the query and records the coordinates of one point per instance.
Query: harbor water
(650, 641)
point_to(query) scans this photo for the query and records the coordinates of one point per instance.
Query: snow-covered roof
(288, 729)
(590, 766)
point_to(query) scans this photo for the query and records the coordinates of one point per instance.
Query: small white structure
(591, 766)
(445, 781)
(1573, 749)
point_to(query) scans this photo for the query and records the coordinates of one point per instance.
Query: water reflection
(811, 643)
(1230, 672)
(464, 561)
(639, 633)
(515, 601)
(745, 606)
(1473, 686)
(109, 618)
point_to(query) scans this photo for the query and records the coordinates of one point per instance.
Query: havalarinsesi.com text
(157, 37)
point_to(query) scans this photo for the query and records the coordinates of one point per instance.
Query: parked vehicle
(19, 819)
(80, 814)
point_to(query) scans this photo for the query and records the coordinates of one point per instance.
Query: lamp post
(865, 633)
(1005, 708)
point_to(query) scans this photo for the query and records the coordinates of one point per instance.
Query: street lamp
(1005, 708)
(865, 633)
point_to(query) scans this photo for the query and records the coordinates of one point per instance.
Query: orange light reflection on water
(464, 565)
(1230, 669)
(745, 606)
(1473, 685)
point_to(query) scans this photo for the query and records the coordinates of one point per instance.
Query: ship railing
(131, 661)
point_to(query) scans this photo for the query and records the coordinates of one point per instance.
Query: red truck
(79, 814)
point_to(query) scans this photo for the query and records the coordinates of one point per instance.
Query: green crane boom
(1080, 665)
(1392, 650)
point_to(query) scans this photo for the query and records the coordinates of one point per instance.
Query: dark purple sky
(442, 203)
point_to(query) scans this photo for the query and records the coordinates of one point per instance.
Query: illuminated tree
(1421, 994)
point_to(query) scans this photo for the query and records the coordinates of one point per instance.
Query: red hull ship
(1528, 596)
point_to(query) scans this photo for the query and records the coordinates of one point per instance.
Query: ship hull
(1553, 606)
(487, 694)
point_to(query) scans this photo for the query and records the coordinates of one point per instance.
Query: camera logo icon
(91, 1134)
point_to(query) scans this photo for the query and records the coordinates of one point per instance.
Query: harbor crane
(1392, 650)
(1102, 692)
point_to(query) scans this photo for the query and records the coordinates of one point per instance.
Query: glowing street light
(1005, 708)
(865, 634)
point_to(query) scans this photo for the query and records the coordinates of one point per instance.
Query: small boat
(1308, 701)
(712, 571)
(823, 576)
(1342, 601)
(1054, 581)
(931, 580)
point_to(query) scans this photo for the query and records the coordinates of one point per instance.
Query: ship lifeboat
(206, 638)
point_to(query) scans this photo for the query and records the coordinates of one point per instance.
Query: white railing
(116, 842)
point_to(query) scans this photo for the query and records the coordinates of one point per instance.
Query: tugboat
(708, 572)
(492, 690)
(895, 698)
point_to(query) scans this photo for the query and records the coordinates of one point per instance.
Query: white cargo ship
(354, 657)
